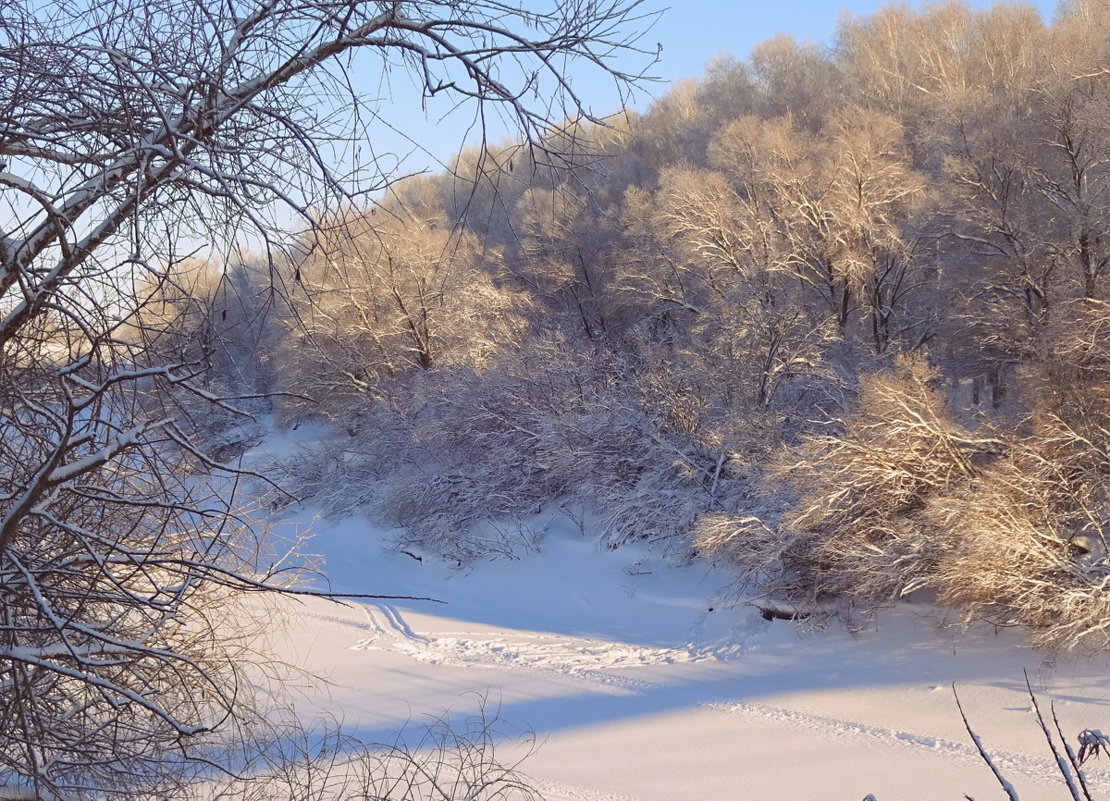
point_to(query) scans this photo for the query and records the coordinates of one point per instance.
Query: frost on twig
(1008, 788)
(1092, 742)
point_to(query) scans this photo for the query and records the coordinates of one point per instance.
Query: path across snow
(643, 687)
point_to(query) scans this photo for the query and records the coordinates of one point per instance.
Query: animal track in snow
(1029, 767)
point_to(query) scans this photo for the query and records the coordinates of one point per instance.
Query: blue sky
(691, 33)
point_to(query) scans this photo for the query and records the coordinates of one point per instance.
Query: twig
(1060, 763)
(1011, 793)
(1071, 754)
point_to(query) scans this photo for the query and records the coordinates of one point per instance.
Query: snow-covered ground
(641, 684)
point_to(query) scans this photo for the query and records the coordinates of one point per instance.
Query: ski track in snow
(1030, 767)
(575, 659)
(592, 662)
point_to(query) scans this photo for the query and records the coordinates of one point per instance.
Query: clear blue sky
(691, 33)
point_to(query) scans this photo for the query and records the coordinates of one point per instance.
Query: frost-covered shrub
(567, 426)
(1009, 528)
(461, 459)
(556, 427)
(213, 328)
(752, 548)
(1029, 535)
(856, 525)
(1026, 548)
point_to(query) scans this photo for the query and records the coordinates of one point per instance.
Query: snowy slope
(643, 686)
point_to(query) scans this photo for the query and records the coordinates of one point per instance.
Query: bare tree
(1072, 168)
(796, 79)
(133, 134)
(383, 294)
(728, 347)
(831, 209)
(563, 250)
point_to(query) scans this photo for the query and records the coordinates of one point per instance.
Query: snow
(643, 686)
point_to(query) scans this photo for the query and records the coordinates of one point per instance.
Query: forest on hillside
(839, 316)
(835, 318)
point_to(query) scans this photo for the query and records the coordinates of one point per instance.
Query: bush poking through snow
(477, 759)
